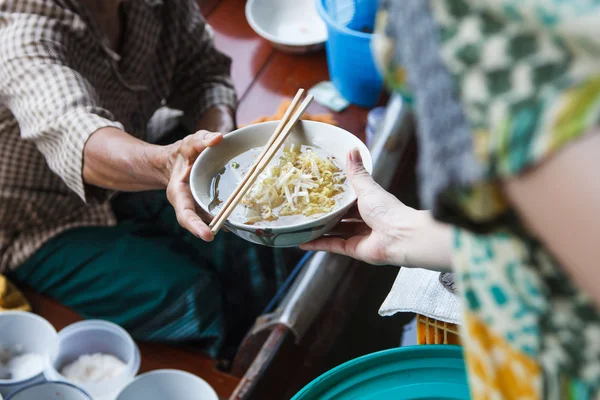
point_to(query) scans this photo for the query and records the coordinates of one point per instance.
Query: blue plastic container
(404, 373)
(351, 65)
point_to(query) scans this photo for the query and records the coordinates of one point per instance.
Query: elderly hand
(390, 232)
(180, 158)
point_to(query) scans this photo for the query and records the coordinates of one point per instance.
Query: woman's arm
(559, 201)
(390, 232)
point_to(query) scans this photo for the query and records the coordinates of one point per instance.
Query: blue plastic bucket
(404, 373)
(351, 65)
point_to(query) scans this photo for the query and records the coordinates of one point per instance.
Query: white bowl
(290, 25)
(168, 384)
(90, 337)
(31, 334)
(50, 391)
(334, 140)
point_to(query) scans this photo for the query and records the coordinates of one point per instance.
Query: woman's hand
(375, 238)
(180, 158)
(389, 232)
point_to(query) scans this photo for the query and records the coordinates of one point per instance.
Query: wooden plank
(282, 77)
(234, 37)
(154, 355)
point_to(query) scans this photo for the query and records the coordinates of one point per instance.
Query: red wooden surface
(206, 6)
(282, 77)
(263, 76)
(234, 37)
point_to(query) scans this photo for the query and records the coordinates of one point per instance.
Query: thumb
(360, 178)
(209, 139)
(193, 145)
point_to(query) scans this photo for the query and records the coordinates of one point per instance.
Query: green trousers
(155, 279)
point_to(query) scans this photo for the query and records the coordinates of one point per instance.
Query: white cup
(28, 333)
(168, 384)
(50, 391)
(90, 337)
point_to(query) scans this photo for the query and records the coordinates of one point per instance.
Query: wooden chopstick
(249, 179)
(282, 123)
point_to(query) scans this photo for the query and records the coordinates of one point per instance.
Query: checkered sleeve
(55, 106)
(202, 76)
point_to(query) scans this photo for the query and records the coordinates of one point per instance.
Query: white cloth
(419, 291)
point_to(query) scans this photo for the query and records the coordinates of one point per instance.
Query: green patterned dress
(527, 78)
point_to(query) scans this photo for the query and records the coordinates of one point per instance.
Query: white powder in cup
(93, 368)
(18, 365)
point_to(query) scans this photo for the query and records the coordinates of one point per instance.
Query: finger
(361, 180)
(344, 236)
(346, 247)
(207, 217)
(193, 145)
(181, 199)
(365, 248)
(193, 223)
(210, 139)
(330, 245)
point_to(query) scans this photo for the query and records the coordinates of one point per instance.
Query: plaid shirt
(60, 82)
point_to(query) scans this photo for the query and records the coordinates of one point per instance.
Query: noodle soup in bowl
(299, 197)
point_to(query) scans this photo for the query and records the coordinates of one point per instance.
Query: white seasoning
(17, 365)
(4, 372)
(93, 368)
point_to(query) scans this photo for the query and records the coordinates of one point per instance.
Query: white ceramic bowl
(29, 333)
(334, 140)
(50, 391)
(290, 25)
(168, 384)
(95, 336)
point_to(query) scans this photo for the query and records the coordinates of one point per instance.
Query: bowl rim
(132, 367)
(274, 39)
(44, 321)
(68, 384)
(368, 163)
(168, 371)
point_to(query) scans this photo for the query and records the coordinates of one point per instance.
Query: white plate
(291, 25)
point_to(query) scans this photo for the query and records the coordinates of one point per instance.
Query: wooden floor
(263, 78)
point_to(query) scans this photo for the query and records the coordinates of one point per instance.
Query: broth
(314, 196)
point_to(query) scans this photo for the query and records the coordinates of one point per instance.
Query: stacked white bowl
(50, 391)
(93, 337)
(168, 384)
(27, 333)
